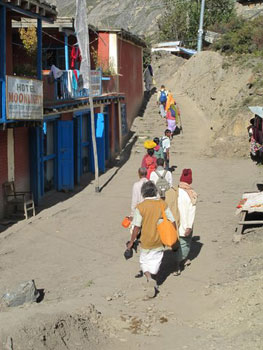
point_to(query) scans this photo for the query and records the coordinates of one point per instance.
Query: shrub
(242, 37)
(180, 20)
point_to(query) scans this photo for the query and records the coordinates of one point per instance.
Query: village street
(74, 251)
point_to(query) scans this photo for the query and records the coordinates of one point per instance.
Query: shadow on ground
(256, 216)
(169, 262)
(54, 197)
(146, 99)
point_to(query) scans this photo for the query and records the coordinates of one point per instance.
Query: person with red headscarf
(187, 199)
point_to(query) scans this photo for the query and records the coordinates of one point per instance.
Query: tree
(180, 20)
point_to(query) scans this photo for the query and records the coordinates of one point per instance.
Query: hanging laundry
(70, 83)
(75, 78)
(75, 57)
(55, 71)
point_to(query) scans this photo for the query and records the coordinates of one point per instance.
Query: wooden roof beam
(26, 5)
(42, 12)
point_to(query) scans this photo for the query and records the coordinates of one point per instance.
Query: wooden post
(120, 126)
(82, 31)
(39, 49)
(240, 227)
(66, 51)
(3, 63)
(94, 143)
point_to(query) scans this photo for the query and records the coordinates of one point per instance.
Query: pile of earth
(57, 331)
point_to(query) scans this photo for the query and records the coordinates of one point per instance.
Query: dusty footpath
(74, 251)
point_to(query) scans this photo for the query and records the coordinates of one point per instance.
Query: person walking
(146, 217)
(149, 162)
(148, 78)
(161, 100)
(171, 119)
(187, 199)
(136, 190)
(170, 101)
(166, 145)
(158, 150)
(162, 178)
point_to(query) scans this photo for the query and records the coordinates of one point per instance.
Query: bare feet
(187, 263)
(150, 288)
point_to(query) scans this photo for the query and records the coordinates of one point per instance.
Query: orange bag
(167, 231)
(126, 222)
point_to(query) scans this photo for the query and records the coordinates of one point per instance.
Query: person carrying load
(161, 100)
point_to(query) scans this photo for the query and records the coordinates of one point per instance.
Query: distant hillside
(137, 16)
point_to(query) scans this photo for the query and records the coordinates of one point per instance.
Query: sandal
(177, 273)
(139, 274)
(188, 262)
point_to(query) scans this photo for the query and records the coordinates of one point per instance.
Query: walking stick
(181, 125)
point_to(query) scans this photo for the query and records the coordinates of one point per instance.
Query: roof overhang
(167, 49)
(32, 8)
(125, 35)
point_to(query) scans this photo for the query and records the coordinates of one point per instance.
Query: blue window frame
(82, 144)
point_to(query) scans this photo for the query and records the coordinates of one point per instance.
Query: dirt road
(74, 250)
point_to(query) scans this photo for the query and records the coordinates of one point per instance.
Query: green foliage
(25, 70)
(147, 52)
(242, 37)
(106, 67)
(180, 20)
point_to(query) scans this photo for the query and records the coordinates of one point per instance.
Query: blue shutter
(65, 155)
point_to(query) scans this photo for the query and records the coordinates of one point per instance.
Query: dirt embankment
(223, 89)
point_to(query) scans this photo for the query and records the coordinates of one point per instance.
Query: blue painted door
(77, 147)
(65, 155)
(107, 133)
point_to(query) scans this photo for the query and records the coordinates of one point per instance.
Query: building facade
(15, 128)
(52, 150)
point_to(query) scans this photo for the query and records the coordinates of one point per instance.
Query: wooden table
(243, 213)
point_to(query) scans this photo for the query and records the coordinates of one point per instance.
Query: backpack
(162, 184)
(163, 96)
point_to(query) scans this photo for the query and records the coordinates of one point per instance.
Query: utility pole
(200, 30)
(93, 136)
(82, 31)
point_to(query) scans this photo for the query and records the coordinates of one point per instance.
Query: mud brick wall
(131, 77)
(22, 166)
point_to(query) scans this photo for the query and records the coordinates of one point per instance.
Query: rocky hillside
(137, 16)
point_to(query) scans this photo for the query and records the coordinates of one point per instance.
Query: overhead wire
(53, 37)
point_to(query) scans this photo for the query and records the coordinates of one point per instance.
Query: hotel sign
(24, 98)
